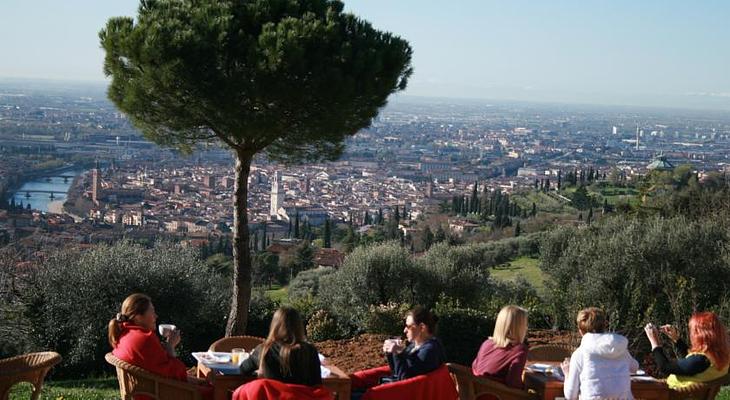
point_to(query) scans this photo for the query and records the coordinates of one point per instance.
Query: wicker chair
(227, 343)
(472, 387)
(549, 352)
(31, 368)
(700, 390)
(134, 381)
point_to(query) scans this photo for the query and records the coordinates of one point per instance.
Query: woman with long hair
(708, 356)
(285, 355)
(502, 357)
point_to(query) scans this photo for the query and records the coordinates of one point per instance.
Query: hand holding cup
(671, 332)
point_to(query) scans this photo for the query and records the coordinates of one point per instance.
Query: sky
(627, 52)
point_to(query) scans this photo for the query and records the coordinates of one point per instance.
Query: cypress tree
(296, 226)
(327, 234)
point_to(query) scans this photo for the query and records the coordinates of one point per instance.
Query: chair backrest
(227, 343)
(471, 387)
(549, 352)
(700, 390)
(435, 385)
(31, 368)
(135, 381)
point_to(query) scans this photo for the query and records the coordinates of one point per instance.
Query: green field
(278, 294)
(525, 267)
(85, 389)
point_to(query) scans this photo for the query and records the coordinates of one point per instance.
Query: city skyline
(650, 54)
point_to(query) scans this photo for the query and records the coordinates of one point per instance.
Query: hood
(606, 345)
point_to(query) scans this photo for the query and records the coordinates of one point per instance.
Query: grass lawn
(278, 294)
(85, 389)
(525, 267)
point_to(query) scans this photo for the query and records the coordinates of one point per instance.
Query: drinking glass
(237, 355)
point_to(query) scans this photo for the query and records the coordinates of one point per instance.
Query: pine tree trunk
(241, 296)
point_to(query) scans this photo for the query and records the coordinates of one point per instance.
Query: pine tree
(396, 214)
(580, 217)
(589, 219)
(367, 218)
(380, 216)
(518, 230)
(534, 210)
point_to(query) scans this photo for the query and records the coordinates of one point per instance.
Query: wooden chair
(227, 343)
(700, 390)
(549, 352)
(31, 368)
(472, 387)
(135, 381)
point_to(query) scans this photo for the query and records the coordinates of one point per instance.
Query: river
(42, 201)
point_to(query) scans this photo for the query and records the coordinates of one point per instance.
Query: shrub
(456, 272)
(260, 311)
(639, 270)
(71, 298)
(306, 283)
(373, 275)
(386, 319)
(462, 330)
(323, 326)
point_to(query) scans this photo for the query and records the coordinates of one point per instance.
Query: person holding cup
(601, 367)
(132, 336)
(709, 352)
(424, 352)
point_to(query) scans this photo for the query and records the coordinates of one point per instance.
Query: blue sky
(672, 53)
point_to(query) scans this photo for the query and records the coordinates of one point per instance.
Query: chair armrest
(471, 387)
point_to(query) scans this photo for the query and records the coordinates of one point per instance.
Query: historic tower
(277, 196)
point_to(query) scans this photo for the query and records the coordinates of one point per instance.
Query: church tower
(277, 196)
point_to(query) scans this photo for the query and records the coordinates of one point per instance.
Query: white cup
(166, 329)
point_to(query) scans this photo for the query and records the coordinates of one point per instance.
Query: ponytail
(133, 305)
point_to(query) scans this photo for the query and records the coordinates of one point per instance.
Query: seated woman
(503, 356)
(133, 339)
(708, 358)
(601, 367)
(424, 353)
(285, 355)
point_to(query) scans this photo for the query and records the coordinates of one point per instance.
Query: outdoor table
(224, 385)
(549, 387)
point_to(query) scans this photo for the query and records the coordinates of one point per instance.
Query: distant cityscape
(97, 179)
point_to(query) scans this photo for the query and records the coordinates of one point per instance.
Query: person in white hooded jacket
(601, 367)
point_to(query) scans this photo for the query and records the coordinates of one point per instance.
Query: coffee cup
(166, 329)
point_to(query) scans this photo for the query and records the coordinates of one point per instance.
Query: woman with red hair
(708, 357)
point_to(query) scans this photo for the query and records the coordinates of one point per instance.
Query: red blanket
(436, 385)
(269, 389)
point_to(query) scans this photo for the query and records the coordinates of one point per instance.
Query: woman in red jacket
(133, 338)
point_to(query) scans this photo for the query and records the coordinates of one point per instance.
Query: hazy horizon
(653, 54)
